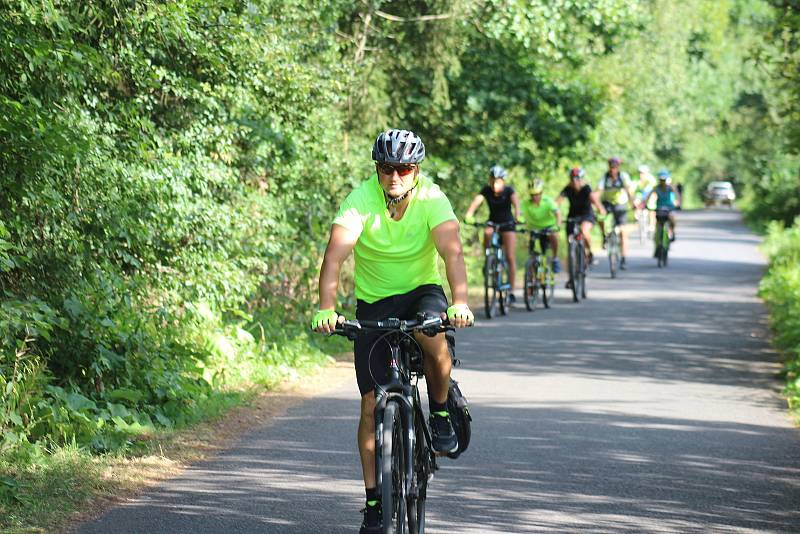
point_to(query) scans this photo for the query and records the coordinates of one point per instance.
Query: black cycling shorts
(620, 212)
(582, 219)
(372, 368)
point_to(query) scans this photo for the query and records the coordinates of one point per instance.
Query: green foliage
(154, 157)
(780, 288)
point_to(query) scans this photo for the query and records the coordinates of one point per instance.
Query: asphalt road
(651, 407)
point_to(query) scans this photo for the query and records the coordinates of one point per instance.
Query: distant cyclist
(541, 212)
(666, 198)
(396, 224)
(581, 199)
(503, 208)
(616, 190)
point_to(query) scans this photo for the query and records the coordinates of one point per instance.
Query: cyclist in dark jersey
(581, 199)
(503, 208)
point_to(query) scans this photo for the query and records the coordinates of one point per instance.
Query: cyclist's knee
(368, 407)
(435, 348)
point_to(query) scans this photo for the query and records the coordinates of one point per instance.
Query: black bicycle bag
(458, 407)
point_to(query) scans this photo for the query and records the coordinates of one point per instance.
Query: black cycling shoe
(511, 298)
(373, 520)
(622, 264)
(444, 437)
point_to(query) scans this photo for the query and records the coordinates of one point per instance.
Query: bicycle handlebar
(430, 326)
(491, 224)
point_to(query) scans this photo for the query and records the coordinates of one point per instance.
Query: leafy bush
(780, 288)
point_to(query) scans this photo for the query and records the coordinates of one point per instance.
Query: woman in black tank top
(581, 199)
(503, 208)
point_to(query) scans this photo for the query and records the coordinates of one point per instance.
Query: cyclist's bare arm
(631, 197)
(448, 244)
(646, 200)
(340, 245)
(515, 204)
(678, 198)
(473, 205)
(595, 198)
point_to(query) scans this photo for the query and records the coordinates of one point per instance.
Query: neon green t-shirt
(541, 216)
(394, 257)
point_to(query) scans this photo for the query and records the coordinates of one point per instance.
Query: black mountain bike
(662, 235)
(404, 458)
(539, 275)
(496, 278)
(576, 260)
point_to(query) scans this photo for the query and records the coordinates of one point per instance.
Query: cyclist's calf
(437, 363)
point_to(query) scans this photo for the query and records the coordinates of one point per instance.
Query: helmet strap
(392, 203)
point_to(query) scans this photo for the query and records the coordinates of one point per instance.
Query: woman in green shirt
(541, 212)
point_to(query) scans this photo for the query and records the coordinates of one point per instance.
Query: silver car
(719, 193)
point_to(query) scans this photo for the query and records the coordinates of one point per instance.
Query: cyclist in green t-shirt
(396, 224)
(540, 212)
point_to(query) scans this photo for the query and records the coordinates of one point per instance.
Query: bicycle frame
(495, 288)
(543, 277)
(661, 235)
(400, 388)
(577, 273)
(405, 367)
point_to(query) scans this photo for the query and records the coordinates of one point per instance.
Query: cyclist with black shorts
(581, 199)
(503, 208)
(395, 224)
(616, 193)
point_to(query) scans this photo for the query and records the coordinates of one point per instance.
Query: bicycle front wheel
(489, 287)
(423, 466)
(544, 275)
(530, 286)
(582, 270)
(643, 224)
(391, 462)
(613, 254)
(573, 266)
(504, 287)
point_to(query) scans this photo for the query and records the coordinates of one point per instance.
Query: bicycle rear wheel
(391, 463)
(573, 266)
(489, 287)
(530, 286)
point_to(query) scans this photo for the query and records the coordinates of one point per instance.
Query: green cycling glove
(460, 311)
(324, 317)
(469, 220)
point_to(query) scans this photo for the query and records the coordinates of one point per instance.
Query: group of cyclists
(397, 222)
(615, 195)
